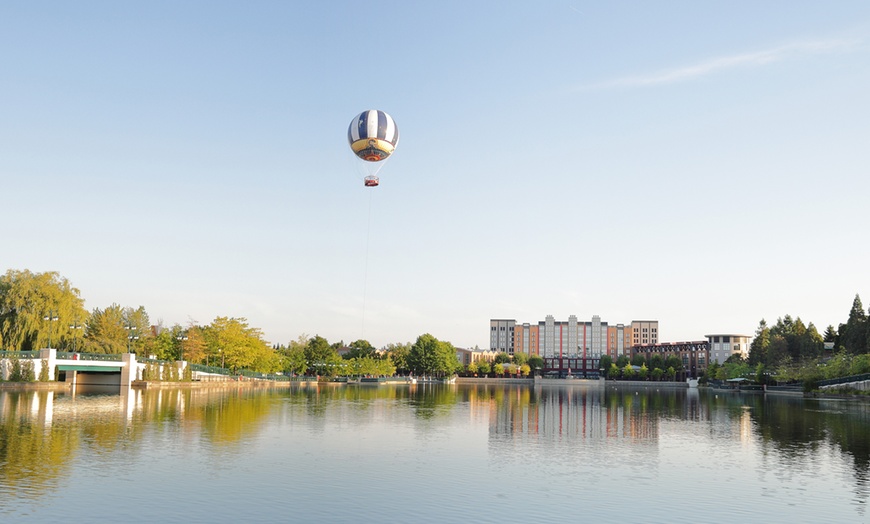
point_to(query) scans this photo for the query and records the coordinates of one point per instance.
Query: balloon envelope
(373, 135)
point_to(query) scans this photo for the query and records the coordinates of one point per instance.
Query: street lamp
(75, 326)
(51, 317)
(181, 338)
(131, 336)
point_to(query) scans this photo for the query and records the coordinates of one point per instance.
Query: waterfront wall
(493, 380)
(861, 385)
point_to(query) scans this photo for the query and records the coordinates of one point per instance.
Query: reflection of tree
(432, 400)
(41, 433)
(795, 430)
(33, 456)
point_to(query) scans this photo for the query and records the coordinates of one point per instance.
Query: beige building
(723, 346)
(467, 356)
(644, 332)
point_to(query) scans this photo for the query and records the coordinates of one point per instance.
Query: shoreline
(266, 384)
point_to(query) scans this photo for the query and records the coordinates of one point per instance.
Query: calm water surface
(432, 453)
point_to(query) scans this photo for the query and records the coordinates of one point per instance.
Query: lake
(432, 453)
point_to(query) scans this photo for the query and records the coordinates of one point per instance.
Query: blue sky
(703, 164)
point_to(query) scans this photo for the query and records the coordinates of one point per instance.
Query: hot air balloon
(373, 136)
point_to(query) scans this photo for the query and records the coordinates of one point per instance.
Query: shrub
(43, 371)
(28, 374)
(15, 370)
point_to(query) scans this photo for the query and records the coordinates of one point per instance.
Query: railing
(844, 380)
(102, 357)
(19, 354)
(209, 369)
(264, 376)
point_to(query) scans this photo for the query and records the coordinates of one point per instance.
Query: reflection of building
(571, 345)
(723, 346)
(576, 414)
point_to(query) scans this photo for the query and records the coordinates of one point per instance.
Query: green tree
(838, 366)
(614, 371)
(853, 334)
(628, 371)
(321, 358)
(472, 369)
(105, 331)
(712, 370)
(43, 371)
(525, 370)
(502, 358)
(361, 348)
(431, 356)
(521, 358)
(860, 365)
(638, 360)
(830, 334)
(164, 346)
(605, 362)
(657, 362)
(657, 373)
(673, 361)
(138, 328)
(622, 360)
(484, 367)
(536, 362)
(758, 349)
(643, 373)
(760, 374)
(399, 353)
(498, 369)
(294, 360)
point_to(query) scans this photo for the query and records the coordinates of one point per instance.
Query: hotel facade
(571, 346)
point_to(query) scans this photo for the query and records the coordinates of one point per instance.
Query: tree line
(790, 350)
(39, 310)
(656, 367)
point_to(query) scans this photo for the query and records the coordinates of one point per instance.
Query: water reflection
(45, 436)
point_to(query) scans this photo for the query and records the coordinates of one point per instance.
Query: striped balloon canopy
(373, 135)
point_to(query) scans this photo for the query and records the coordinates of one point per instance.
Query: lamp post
(131, 336)
(51, 317)
(74, 327)
(181, 338)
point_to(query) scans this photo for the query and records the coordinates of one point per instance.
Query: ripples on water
(431, 453)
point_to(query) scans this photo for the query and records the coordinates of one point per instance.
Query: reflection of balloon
(373, 135)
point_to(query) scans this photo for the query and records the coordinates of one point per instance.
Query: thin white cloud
(716, 65)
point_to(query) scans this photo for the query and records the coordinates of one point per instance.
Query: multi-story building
(644, 332)
(723, 346)
(501, 335)
(569, 346)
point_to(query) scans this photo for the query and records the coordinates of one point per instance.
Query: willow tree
(37, 309)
